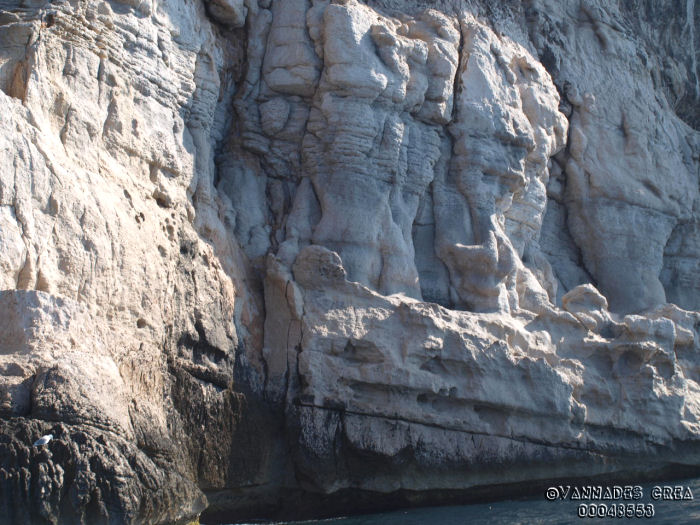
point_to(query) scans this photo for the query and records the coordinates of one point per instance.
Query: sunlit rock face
(278, 257)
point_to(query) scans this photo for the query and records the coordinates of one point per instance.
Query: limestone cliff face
(272, 256)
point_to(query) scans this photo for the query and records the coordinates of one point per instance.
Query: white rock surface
(445, 244)
(112, 258)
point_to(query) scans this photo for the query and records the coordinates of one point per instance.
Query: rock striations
(269, 258)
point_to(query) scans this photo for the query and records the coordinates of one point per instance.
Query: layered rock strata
(324, 254)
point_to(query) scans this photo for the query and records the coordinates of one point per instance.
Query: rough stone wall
(122, 293)
(264, 252)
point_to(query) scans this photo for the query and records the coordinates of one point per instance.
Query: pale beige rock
(257, 251)
(116, 274)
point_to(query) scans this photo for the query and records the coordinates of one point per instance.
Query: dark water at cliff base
(663, 502)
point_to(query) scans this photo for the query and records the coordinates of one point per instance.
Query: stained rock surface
(277, 258)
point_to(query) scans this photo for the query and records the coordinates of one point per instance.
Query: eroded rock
(299, 255)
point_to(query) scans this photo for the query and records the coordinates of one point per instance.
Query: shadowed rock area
(288, 258)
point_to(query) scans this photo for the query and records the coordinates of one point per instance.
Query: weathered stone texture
(259, 252)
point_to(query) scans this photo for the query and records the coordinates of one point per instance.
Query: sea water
(674, 502)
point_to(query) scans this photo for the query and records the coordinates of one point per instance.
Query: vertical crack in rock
(690, 26)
